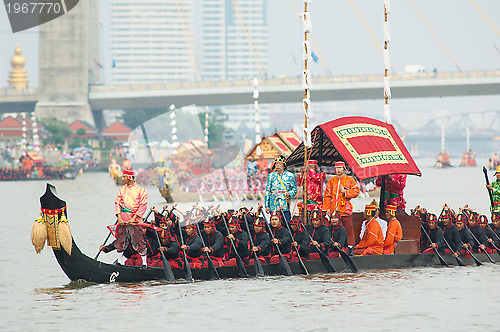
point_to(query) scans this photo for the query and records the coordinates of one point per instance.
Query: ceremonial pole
(206, 126)
(306, 54)
(24, 142)
(35, 136)
(256, 107)
(387, 89)
(175, 142)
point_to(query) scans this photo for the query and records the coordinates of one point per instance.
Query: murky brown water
(35, 294)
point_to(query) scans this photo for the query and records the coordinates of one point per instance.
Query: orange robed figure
(338, 193)
(394, 230)
(372, 241)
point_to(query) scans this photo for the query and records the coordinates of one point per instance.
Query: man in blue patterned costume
(281, 187)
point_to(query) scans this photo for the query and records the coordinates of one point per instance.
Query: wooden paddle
(498, 238)
(109, 234)
(459, 261)
(239, 261)
(259, 270)
(303, 267)
(348, 261)
(441, 259)
(478, 243)
(188, 275)
(169, 275)
(324, 259)
(104, 243)
(283, 262)
(214, 275)
(478, 263)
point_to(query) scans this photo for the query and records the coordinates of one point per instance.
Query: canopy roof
(280, 143)
(370, 147)
(35, 157)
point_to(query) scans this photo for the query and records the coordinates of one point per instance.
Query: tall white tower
(152, 41)
(234, 39)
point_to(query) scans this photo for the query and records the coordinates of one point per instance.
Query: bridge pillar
(64, 66)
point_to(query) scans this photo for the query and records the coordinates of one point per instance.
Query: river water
(35, 294)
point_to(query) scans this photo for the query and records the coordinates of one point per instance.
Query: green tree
(133, 118)
(216, 127)
(58, 131)
(81, 132)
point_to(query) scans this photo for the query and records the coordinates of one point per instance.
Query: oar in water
(188, 275)
(324, 258)
(478, 263)
(441, 259)
(478, 243)
(493, 243)
(169, 275)
(348, 261)
(259, 270)
(283, 262)
(239, 261)
(214, 275)
(459, 261)
(303, 267)
(109, 234)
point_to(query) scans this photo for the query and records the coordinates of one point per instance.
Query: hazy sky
(348, 48)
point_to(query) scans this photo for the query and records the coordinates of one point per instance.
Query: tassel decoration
(65, 234)
(39, 234)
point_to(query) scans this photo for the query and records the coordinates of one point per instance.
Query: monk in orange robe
(394, 230)
(372, 241)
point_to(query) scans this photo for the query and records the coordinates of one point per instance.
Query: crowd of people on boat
(223, 236)
(468, 158)
(458, 233)
(34, 172)
(494, 161)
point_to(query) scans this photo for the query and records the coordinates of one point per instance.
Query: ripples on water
(36, 295)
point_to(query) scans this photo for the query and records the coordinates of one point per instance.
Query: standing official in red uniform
(130, 205)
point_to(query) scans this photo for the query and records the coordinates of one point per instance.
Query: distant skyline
(347, 47)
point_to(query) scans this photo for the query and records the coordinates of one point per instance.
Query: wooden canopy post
(382, 194)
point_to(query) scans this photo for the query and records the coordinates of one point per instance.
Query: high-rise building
(152, 41)
(234, 39)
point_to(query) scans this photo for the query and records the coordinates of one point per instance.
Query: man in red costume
(130, 205)
(314, 186)
(394, 186)
(338, 193)
(372, 241)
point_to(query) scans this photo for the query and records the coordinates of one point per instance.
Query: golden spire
(18, 77)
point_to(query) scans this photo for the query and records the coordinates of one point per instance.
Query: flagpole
(387, 91)
(306, 101)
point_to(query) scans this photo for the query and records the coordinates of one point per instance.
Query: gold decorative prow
(49, 227)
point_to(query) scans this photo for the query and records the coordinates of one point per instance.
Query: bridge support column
(64, 66)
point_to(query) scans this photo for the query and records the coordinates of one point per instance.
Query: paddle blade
(350, 264)
(241, 267)
(326, 262)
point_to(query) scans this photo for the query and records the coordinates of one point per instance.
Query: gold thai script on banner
(365, 130)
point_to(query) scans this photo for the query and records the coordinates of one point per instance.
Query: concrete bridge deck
(274, 90)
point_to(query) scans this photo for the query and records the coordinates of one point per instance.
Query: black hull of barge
(79, 267)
